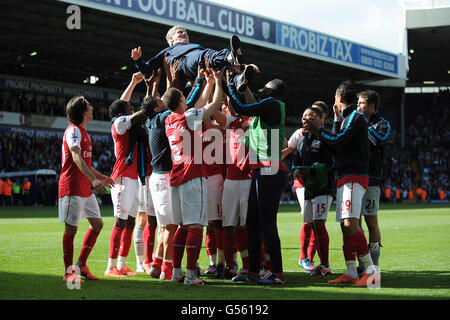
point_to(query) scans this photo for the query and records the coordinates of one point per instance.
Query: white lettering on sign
(315, 43)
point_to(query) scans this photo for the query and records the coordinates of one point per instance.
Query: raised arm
(208, 89)
(152, 84)
(135, 80)
(154, 63)
(214, 106)
(194, 95)
(268, 109)
(336, 140)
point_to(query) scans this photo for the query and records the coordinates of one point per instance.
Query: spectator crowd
(49, 105)
(419, 171)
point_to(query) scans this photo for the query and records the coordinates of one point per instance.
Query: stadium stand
(422, 163)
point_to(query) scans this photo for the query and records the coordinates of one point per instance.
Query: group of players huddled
(208, 153)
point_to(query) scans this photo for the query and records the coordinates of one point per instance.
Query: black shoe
(360, 270)
(235, 44)
(243, 79)
(229, 274)
(220, 270)
(275, 278)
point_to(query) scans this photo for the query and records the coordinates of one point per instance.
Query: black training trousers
(264, 198)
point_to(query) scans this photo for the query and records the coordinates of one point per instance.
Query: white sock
(121, 262)
(374, 248)
(139, 247)
(368, 263)
(111, 263)
(176, 272)
(190, 273)
(351, 268)
(212, 259)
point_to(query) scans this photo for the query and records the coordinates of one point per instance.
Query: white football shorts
(125, 197)
(314, 209)
(235, 202)
(215, 191)
(349, 200)
(371, 201)
(160, 190)
(189, 202)
(73, 208)
(145, 198)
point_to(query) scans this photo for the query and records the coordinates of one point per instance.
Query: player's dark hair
(371, 96)
(274, 88)
(347, 91)
(171, 98)
(75, 109)
(118, 108)
(149, 103)
(322, 106)
(316, 111)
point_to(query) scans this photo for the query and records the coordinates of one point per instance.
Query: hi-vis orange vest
(26, 187)
(7, 188)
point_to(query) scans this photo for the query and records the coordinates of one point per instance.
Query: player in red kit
(76, 199)
(125, 193)
(188, 177)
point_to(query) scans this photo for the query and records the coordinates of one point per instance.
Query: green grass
(415, 261)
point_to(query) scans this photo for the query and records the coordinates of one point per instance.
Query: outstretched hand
(98, 186)
(137, 77)
(136, 53)
(154, 79)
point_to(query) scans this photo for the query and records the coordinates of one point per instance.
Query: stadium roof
(36, 43)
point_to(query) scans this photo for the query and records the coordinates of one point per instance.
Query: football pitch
(415, 261)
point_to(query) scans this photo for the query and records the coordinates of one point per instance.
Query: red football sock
(67, 251)
(228, 249)
(193, 245)
(312, 248)
(179, 242)
(149, 241)
(347, 247)
(219, 238)
(359, 243)
(241, 243)
(157, 262)
(323, 244)
(305, 235)
(89, 241)
(114, 242)
(125, 242)
(211, 242)
(166, 267)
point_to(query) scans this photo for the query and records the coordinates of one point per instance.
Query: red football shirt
(238, 167)
(73, 182)
(120, 131)
(184, 132)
